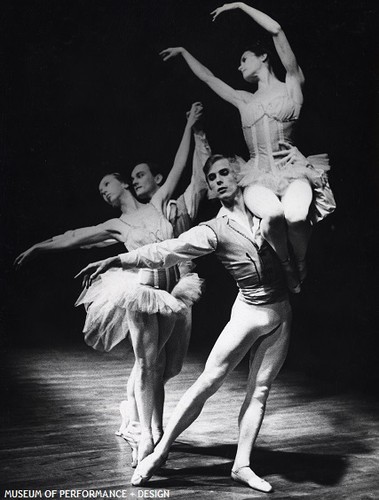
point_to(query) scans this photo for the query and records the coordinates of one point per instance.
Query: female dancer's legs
(296, 202)
(267, 357)
(246, 325)
(177, 345)
(284, 220)
(148, 334)
(167, 326)
(264, 203)
(173, 344)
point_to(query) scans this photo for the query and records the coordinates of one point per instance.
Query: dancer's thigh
(177, 345)
(246, 325)
(262, 201)
(166, 325)
(297, 199)
(144, 334)
(268, 355)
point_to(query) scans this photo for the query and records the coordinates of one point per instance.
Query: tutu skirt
(117, 292)
(277, 179)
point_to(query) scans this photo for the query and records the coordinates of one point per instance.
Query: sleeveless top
(265, 123)
(149, 225)
(256, 268)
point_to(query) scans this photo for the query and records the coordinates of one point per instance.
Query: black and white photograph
(189, 245)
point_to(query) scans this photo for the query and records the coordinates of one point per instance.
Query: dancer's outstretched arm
(218, 86)
(168, 187)
(294, 73)
(198, 241)
(77, 238)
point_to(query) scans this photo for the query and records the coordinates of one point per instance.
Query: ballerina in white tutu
(147, 178)
(142, 304)
(286, 190)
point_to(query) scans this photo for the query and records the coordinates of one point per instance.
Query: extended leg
(246, 324)
(267, 358)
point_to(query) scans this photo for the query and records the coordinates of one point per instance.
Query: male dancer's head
(221, 179)
(146, 179)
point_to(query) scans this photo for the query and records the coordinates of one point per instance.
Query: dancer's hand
(224, 8)
(92, 271)
(195, 113)
(24, 257)
(167, 54)
(289, 155)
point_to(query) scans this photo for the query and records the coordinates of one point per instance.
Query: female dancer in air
(143, 304)
(280, 183)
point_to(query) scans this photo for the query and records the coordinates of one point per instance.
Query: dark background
(84, 92)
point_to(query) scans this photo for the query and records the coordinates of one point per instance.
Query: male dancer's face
(221, 181)
(145, 184)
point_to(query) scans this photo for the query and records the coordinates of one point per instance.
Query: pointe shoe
(132, 436)
(302, 269)
(145, 446)
(139, 478)
(124, 418)
(157, 435)
(254, 481)
(293, 283)
(134, 446)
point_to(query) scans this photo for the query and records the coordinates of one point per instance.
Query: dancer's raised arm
(73, 239)
(282, 45)
(218, 86)
(168, 187)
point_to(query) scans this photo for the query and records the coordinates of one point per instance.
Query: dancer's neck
(128, 203)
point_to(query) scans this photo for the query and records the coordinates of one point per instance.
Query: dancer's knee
(130, 389)
(261, 393)
(273, 217)
(172, 370)
(211, 380)
(147, 364)
(296, 216)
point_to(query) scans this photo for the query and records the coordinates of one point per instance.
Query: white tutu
(118, 291)
(313, 168)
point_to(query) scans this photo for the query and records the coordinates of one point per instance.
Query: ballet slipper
(302, 269)
(146, 469)
(292, 279)
(249, 478)
(124, 418)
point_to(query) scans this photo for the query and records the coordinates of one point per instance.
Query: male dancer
(260, 318)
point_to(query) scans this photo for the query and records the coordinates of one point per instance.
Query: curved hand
(224, 8)
(167, 54)
(195, 113)
(93, 270)
(288, 155)
(26, 256)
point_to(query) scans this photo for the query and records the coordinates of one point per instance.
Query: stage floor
(60, 411)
